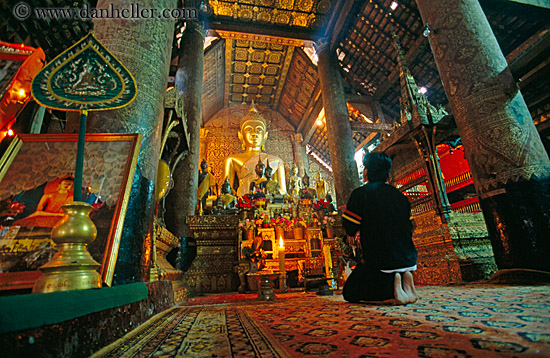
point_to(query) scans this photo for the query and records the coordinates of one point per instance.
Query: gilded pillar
(182, 200)
(144, 47)
(300, 156)
(340, 141)
(510, 167)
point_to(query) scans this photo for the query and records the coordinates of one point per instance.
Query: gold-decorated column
(340, 141)
(509, 164)
(182, 200)
(144, 47)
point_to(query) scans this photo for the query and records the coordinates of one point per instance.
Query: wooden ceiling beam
(366, 127)
(375, 107)
(395, 20)
(536, 3)
(536, 74)
(389, 57)
(366, 141)
(309, 128)
(338, 21)
(529, 10)
(382, 33)
(354, 98)
(311, 108)
(532, 52)
(372, 59)
(410, 56)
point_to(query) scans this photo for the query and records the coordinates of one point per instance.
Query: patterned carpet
(450, 321)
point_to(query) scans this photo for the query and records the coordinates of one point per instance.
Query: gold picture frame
(31, 169)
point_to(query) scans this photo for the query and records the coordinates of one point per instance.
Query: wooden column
(182, 200)
(340, 141)
(510, 167)
(144, 47)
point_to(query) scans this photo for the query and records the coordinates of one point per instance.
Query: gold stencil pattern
(255, 65)
(304, 14)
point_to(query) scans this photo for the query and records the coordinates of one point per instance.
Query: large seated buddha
(240, 167)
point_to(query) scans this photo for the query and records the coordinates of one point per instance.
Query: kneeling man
(381, 214)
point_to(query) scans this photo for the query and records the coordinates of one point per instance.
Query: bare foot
(401, 298)
(408, 287)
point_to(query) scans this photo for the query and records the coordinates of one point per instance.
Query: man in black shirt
(382, 216)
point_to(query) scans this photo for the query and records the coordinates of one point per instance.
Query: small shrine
(260, 223)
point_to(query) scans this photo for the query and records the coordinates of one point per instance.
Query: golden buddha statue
(320, 187)
(240, 167)
(295, 182)
(307, 192)
(228, 200)
(271, 186)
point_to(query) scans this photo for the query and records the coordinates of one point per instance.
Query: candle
(328, 260)
(282, 267)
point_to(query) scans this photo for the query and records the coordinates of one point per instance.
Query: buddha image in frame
(39, 182)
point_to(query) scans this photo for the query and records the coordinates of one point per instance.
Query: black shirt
(382, 214)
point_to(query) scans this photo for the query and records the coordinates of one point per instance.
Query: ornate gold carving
(284, 72)
(255, 64)
(170, 97)
(180, 291)
(164, 242)
(294, 13)
(212, 269)
(212, 222)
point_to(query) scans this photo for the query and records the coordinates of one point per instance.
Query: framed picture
(36, 179)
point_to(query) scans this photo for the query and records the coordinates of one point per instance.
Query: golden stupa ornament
(85, 77)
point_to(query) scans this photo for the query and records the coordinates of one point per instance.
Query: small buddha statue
(203, 172)
(271, 186)
(259, 183)
(307, 192)
(239, 167)
(205, 181)
(320, 187)
(228, 200)
(294, 182)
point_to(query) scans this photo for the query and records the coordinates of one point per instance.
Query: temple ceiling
(255, 70)
(260, 55)
(368, 58)
(300, 90)
(293, 18)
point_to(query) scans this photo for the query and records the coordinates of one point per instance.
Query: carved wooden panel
(301, 81)
(213, 80)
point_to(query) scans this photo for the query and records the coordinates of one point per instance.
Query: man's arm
(351, 217)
